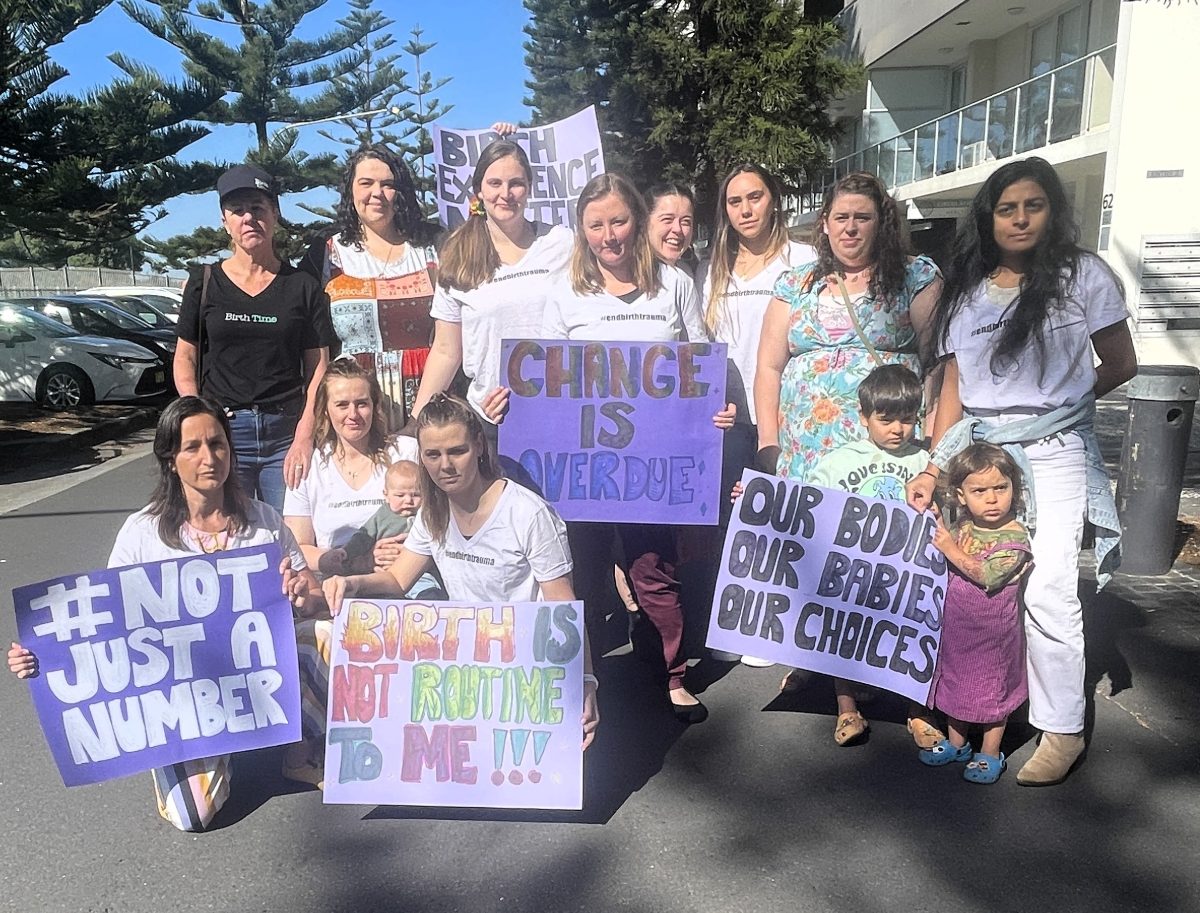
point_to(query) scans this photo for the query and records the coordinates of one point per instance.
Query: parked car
(138, 307)
(44, 361)
(100, 318)
(164, 298)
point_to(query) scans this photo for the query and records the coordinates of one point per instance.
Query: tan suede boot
(1052, 760)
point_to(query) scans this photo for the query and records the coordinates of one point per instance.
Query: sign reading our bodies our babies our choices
(153, 664)
(833, 582)
(455, 704)
(564, 156)
(617, 431)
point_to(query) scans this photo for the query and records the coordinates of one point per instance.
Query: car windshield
(116, 315)
(23, 320)
(143, 310)
(164, 303)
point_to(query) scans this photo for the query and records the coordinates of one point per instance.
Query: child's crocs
(944, 753)
(984, 768)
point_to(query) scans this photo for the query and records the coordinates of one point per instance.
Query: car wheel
(65, 387)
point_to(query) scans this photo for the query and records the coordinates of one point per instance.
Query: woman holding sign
(496, 271)
(379, 268)
(490, 539)
(617, 290)
(1025, 317)
(862, 304)
(198, 508)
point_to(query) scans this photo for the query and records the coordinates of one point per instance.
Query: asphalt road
(754, 810)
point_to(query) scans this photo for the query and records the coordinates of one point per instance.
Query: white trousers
(1054, 616)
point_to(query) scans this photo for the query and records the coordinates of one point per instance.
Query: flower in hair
(475, 207)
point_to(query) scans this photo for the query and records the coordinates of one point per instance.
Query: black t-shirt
(252, 347)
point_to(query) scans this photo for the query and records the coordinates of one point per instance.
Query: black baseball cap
(245, 177)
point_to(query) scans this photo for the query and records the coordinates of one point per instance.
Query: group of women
(1008, 335)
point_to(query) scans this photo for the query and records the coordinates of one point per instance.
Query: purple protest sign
(837, 583)
(456, 704)
(617, 431)
(153, 664)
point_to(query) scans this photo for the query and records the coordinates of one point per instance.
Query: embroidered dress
(980, 675)
(381, 315)
(818, 396)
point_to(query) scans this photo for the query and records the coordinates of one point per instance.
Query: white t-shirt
(138, 541)
(521, 544)
(672, 315)
(335, 508)
(740, 320)
(507, 306)
(1093, 303)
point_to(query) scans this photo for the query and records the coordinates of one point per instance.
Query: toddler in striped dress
(980, 677)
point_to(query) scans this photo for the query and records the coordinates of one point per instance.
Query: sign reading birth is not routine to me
(617, 431)
(456, 704)
(833, 582)
(153, 664)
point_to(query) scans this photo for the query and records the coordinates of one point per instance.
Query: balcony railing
(1063, 103)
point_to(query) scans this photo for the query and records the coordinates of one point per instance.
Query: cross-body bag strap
(200, 331)
(854, 320)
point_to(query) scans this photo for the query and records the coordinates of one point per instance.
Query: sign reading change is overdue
(617, 431)
(154, 664)
(832, 582)
(564, 156)
(453, 704)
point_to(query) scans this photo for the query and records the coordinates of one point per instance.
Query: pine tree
(686, 89)
(79, 177)
(423, 109)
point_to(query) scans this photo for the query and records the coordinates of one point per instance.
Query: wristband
(926, 472)
(589, 679)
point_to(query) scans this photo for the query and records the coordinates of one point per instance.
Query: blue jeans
(261, 440)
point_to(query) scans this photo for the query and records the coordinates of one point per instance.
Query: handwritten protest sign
(833, 582)
(453, 704)
(153, 664)
(564, 156)
(617, 431)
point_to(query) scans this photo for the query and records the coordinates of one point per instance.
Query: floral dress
(818, 396)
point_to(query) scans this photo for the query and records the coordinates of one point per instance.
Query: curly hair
(408, 218)
(980, 457)
(889, 250)
(1051, 269)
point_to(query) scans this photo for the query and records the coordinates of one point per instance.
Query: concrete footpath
(754, 811)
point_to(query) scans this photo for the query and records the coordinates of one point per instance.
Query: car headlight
(120, 361)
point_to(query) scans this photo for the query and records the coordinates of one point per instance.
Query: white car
(161, 297)
(42, 360)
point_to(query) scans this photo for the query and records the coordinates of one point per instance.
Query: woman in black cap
(254, 335)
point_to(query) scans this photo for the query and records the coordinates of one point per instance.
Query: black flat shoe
(690, 713)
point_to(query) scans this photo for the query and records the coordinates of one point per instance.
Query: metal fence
(17, 281)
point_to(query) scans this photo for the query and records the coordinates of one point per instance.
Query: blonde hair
(469, 257)
(324, 437)
(405, 469)
(447, 409)
(726, 241)
(584, 269)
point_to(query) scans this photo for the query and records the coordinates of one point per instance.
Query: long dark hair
(441, 410)
(324, 437)
(168, 503)
(469, 257)
(584, 270)
(1052, 266)
(889, 250)
(408, 218)
(726, 241)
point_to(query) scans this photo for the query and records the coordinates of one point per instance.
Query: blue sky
(478, 45)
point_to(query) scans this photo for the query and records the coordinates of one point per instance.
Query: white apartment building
(1103, 89)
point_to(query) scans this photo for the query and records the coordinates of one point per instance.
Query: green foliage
(80, 176)
(423, 109)
(686, 89)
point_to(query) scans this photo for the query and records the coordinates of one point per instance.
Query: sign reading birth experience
(617, 431)
(833, 582)
(153, 664)
(453, 704)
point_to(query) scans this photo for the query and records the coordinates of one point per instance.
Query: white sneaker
(757, 663)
